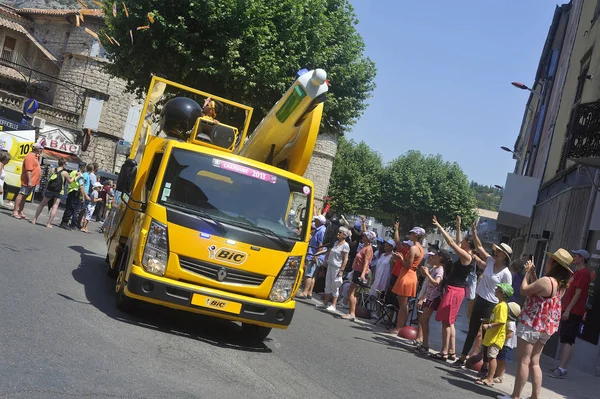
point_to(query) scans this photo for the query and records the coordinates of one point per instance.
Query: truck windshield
(235, 193)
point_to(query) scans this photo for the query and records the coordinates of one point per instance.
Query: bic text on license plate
(216, 304)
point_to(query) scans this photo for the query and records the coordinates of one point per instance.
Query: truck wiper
(199, 212)
(265, 232)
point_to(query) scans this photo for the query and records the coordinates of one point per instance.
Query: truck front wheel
(255, 333)
(122, 302)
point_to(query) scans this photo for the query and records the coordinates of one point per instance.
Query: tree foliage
(245, 50)
(355, 179)
(487, 197)
(415, 187)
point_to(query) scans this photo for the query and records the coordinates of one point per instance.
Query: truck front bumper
(174, 294)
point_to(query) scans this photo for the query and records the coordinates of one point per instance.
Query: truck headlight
(156, 251)
(284, 283)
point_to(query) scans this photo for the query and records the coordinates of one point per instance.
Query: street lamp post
(521, 86)
(516, 154)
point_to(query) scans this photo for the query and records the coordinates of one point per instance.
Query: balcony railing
(582, 141)
(46, 111)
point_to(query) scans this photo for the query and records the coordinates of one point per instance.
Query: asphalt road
(61, 337)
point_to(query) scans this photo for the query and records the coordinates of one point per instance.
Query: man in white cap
(31, 174)
(573, 309)
(314, 257)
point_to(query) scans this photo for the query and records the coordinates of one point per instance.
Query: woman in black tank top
(57, 179)
(453, 289)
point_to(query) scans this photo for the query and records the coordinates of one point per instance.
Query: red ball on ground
(474, 362)
(362, 312)
(408, 332)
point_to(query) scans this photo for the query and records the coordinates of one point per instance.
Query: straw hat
(514, 310)
(504, 248)
(562, 257)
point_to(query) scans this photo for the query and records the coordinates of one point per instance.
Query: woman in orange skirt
(406, 284)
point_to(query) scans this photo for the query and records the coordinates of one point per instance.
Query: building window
(97, 50)
(92, 116)
(8, 49)
(581, 83)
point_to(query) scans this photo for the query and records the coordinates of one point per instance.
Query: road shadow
(99, 291)
(472, 387)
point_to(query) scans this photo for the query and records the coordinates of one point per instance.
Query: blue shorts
(311, 267)
(504, 353)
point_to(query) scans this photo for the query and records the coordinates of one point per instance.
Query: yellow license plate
(216, 304)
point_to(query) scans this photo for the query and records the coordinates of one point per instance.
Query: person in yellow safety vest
(74, 189)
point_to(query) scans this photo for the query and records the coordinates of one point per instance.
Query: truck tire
(122, 301)
(111, 272)
(254, 333)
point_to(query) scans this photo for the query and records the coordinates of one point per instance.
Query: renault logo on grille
(221, 274)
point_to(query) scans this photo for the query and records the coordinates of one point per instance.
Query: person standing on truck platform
(210, 109)
(30, 177)
(315, 256)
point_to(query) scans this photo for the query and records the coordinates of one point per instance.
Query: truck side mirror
(127, 176)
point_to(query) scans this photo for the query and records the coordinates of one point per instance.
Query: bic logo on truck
(227, 255)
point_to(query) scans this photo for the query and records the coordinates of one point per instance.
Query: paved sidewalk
(578, 385)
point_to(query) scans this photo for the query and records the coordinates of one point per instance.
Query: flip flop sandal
(498, 380)
(17, 217)
(422, 349)
(348, 317)
(439, 356)
(452, 356)
(484, 382)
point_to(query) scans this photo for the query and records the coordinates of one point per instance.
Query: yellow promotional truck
(208, 220)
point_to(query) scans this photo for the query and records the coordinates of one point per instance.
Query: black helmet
(178, 116)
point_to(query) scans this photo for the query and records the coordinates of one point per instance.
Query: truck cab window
(153, 171)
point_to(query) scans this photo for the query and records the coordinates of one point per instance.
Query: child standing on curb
(514, 310)
(495, 332)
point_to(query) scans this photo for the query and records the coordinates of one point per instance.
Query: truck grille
(211, 271)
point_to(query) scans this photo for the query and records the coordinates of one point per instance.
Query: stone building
(61, 65)
(47, 56)
(551, 200)
(321, 164)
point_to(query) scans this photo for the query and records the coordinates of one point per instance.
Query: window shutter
(92, 116)
(133, 117)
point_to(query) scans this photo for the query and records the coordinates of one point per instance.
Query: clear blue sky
(444, 73)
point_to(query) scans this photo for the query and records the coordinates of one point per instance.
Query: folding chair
(389, 312)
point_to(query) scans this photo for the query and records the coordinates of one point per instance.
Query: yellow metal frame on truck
(156, 79)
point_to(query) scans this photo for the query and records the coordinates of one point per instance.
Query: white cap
(96, 185)
(321, 219)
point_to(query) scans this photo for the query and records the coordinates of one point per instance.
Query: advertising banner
(17, 143)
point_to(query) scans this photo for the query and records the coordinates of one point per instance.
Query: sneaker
(558, 373)
(331, 308)
(320, 306)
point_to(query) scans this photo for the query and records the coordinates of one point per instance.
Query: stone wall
(88, 72)
(102, 150)
(53, 33)
(321, 164)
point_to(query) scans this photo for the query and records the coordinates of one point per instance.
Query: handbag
(471, 283)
